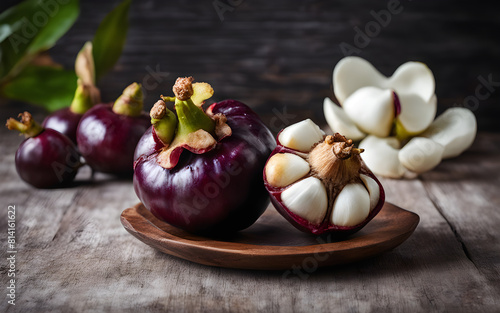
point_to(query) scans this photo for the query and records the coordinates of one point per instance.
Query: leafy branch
(32, 27)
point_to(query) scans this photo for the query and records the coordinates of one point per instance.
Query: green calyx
(26, 126)
(191, 117)
(164, 122)
(130, 103)
(85, 98)
(86, 94)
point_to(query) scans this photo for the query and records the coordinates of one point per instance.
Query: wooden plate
(272, 243)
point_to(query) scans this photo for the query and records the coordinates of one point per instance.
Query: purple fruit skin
(47, 160)
(107, 140)
(64, 121)
(148, 144)
(217, 192)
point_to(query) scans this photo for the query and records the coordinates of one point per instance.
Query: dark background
(278, 56)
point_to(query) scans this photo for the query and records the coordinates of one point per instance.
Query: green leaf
(17, 12)
(110, 38)
(31, 27)
(49, 87)
(57, 25)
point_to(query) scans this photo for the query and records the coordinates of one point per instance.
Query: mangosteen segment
(301, 136)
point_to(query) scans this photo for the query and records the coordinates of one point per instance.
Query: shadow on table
(423, 253)
(87, 177)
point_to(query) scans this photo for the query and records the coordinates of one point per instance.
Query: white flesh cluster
(367, 112)
(306, 195)
(367, 98)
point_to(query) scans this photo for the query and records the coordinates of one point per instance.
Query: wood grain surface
(75, 256)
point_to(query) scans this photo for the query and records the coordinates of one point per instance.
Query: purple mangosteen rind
(148, 144)
(324, 227)
(108, 140)
(64, 121)
(177, 195)
(47, 160)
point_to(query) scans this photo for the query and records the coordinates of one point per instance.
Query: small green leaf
(49, 87)
(110, 38)
(63, 17)
(31, 27)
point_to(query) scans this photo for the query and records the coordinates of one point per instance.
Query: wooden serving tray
(272, 243)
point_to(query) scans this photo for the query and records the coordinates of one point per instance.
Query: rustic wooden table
(73, 254)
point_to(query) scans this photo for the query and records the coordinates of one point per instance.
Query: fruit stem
(342, 147)
(85, 98)
(26, 126)
(164, 122)
(191, 117)
(335, 160)
(130, 102)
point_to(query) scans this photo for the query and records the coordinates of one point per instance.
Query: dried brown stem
(335, 160)
(158, 110)
(183, 88)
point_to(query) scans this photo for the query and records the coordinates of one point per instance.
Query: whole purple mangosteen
(46, 158)
(207, 178)
(108, 133)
